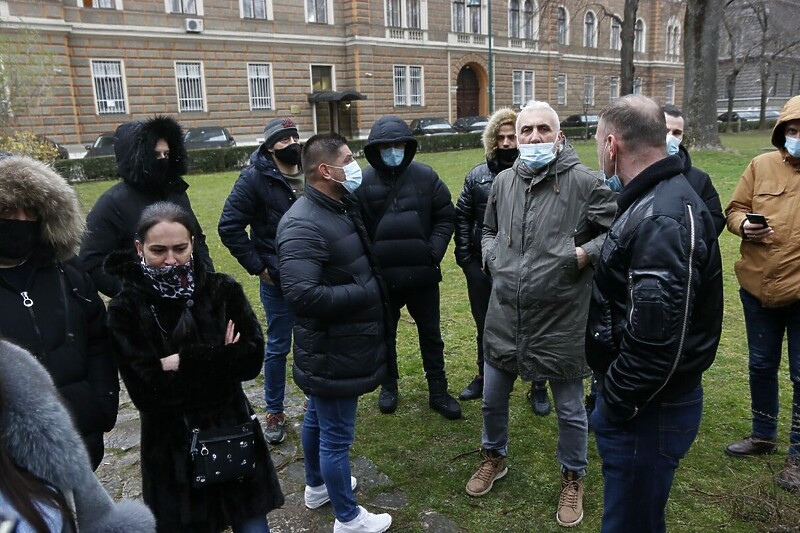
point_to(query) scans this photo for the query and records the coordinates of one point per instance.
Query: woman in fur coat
(46, 483)
(185, 339)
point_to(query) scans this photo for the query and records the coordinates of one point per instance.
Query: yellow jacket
(770, 185)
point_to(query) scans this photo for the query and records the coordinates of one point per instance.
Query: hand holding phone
(757, 219)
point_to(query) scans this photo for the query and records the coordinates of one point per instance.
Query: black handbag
(223, 454)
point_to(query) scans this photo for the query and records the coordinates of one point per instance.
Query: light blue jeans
(573, 433)
(280, 322)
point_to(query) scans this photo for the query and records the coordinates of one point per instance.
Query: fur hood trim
(134, 148)
(40, 437)
(501, 117)
(25, 182)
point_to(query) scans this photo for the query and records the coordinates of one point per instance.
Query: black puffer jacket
(407, 210)
(656, 311)
(329, 280)
(111, 223)
(205, 392)
(50, 307)
(701, 183)
(259, 199)
(470, 211)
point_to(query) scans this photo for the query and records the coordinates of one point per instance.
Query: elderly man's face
(536, 126)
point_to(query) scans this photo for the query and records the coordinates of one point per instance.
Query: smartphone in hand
(757, 218)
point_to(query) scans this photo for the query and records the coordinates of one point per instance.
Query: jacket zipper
(686, 307)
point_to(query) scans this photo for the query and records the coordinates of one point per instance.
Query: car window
(209, 135)
(103, 140)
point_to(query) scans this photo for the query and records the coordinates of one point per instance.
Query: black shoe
(445, 405)
(751, 445)
(387, 400)
(474, 390)
(540, 403)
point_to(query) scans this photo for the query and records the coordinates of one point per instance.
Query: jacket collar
(647, 179)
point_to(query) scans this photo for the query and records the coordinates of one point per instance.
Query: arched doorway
(468, 93)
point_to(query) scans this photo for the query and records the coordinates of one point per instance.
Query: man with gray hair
(545, 222)
(654, 320)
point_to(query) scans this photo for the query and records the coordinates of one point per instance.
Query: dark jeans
(765, 330)
(479, 289)
(423, 306)
(640, 457)
(280, 321)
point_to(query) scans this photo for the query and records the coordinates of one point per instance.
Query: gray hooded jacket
(536, 320)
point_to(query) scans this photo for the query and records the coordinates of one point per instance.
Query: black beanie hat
(278, 128)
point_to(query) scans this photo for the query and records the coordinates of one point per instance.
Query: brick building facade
(328, 64)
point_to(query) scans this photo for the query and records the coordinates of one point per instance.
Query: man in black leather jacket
(410, 218)
(654, 320)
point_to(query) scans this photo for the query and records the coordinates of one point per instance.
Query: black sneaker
(445, 405)
(474, 390)
(540, 403)
(387, 400)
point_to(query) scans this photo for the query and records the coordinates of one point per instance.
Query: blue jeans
(280, 321)
(256, 524)
(573, 434)
(765, 330)
(329, 427)
(640, 457)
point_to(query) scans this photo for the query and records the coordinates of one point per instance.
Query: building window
(321, 78)
(259, 82)
(413, 14)
(191, 93)
(404, 14)
(637, 85)
(613, 88)
(521, 87)
(99, 4)
(670, 97)
(589, 30)
(317, 11)
(407, 85)
(673, 39)
(109, 87)
(459, 14)
(616, 28)
(588, 91)
(474, 16)
(638, 36)
(513, 19)
(394, 15)
(184, 7)
(562, 89)
(529, 24)
(563, 26)
(255, 9)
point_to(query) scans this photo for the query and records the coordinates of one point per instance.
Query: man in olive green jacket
(545, 223)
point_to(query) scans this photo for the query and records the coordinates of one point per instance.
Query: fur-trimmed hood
(499, 118)
(40, 437)
(25, 182)
(134, 148)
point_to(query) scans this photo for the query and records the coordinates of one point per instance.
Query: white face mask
(673, 145)
(538, 155)
(352, 176)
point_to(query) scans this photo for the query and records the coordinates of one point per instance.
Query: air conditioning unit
(194, 25)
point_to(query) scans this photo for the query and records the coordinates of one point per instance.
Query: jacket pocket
(647, 307)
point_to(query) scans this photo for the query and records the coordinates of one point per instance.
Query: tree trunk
(765, 71)
(627, 35)
(731, 96)
(700, 52)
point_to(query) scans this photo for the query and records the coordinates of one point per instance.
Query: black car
(102, 146)
(471, 124)
(587, 122)
(208, 137)
(431, 126)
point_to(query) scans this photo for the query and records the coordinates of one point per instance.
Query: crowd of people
(571, 274)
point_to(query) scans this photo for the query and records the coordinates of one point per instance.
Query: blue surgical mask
(392, 156)
(613, 183)
(673, 145)
(792, 146)
(352, 176)
(538, 155)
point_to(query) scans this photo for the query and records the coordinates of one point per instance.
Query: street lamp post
(477, 3)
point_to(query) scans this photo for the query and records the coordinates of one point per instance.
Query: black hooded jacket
(701, 183)
(111, 223)
(407, 210)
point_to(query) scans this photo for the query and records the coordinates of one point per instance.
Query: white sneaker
(365, 522)
(318, 496)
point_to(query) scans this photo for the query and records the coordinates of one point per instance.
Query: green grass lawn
(417, 448)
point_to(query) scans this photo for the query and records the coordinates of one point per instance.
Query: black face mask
(18, 239)
(506, 156)
(160, 169)
(289, 155)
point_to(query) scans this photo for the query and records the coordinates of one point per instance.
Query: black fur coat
(205, 391)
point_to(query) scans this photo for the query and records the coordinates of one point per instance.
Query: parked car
(750, 114)
(471, 124)
(102, 146)
(208, 137)
(431, 126)
(587, 122)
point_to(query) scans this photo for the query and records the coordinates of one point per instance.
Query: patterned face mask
(171, 281)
